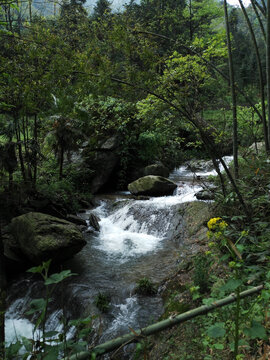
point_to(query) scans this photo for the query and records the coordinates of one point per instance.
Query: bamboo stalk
(161, 325)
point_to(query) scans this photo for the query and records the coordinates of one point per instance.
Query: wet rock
(157, 169)
(84, 204)
(152, 185)
(76, 220)
(41, 237)
(257, 148)
(205, 195)
(94, 221)
(104, 162)
(46, 206)
(200, 165)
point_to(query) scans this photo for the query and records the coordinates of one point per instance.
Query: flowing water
(136, 240)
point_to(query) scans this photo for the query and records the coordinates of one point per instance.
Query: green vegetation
(102, 302)
(52, 344)
(145, 287)
(101, 95)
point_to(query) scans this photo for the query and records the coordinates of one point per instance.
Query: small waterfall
(135, 241)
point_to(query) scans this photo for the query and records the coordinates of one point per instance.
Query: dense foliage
(148, 83)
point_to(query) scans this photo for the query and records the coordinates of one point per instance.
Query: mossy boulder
(41, 237)
(157, 169)
(152, 185)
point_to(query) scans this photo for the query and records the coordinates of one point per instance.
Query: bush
(201, 273)
(102, 302)
(145, 287)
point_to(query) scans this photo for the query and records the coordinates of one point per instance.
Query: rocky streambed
(137, 239)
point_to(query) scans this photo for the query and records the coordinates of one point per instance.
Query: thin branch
(211, 65)
(259, 20)
(162, 325)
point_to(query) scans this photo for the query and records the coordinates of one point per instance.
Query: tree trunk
(20, 154)
(35, 150)
(259, 64)
(233, 94)
(61, 162)
(259, 19)
(268, 64)
(2, 297)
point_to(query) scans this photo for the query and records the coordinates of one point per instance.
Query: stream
(136, 240)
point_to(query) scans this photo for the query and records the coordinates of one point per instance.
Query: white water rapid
(136, 240)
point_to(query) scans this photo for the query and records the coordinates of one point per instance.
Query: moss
(174, 307)
(197, 214)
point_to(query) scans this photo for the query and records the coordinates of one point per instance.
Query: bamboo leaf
(216, 331)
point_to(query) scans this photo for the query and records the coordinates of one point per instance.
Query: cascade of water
(133, 242)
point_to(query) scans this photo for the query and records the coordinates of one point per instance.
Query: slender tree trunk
(61, 160)
(233, 94)
(30, 10)
(2, 297)
(20, 154)
(222, 182)
(9, 19)
(268, 64)
(259, 19)
(261, 8)
(35, 149)
(190, 21)
(259, 64)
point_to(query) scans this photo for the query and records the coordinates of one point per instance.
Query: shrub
(145, 287)
(102, 302)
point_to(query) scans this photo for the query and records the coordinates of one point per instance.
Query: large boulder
(41, 237)
(103, 160)
(205, 194)
(152, 185)
(157, 169)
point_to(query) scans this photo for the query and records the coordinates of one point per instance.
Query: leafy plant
(145, 287)
(201, 273)
(102, 302)
(50, 345)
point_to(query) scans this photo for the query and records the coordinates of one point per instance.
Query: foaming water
(135, 238)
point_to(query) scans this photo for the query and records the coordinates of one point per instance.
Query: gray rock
(152, 185)
(205, 195)
(76, 220)
(110, 144)
(257, 148)
(41, 237)
(94, 221)
(157, 169)
(200, 165)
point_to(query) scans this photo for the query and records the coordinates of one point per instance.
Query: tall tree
(233, 92)
(101, 9)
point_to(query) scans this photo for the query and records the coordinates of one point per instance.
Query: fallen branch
(161, 325)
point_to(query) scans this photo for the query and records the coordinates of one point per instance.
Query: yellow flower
(212, 222)
(217, 224)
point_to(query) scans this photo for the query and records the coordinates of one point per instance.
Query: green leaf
(219, 346)
(50, 334)
(51, 353)
(36, 305)
(13, 349)
(256, 331)
(216, 331)
(27, 344)
(35, 269)
(231, 285)
(58, 277)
